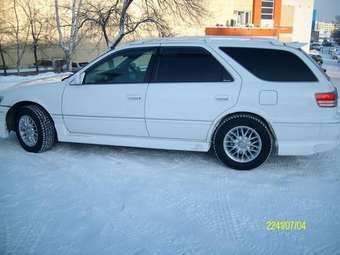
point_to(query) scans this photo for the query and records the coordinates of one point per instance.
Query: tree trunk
(3, 60)
(18, 59)
(116, 41)
(105, 35)
(35, 46)
(122, 21)
(68, 60)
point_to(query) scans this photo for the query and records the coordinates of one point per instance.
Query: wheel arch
(13, 111)
(263, 119)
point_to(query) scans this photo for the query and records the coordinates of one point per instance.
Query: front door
(111, 99)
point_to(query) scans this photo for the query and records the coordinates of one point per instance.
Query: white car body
(184, 117)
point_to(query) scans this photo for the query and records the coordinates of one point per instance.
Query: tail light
(329, 99)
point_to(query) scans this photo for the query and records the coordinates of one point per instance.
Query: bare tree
(102, 15)
(2, 54)
(68, 40)
(36, 23)
(18, 31)
(118, 15)
(154, 10)
(3, 35)
(122, 24)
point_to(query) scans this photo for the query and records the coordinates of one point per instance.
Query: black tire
(243, 120)
(45, 127)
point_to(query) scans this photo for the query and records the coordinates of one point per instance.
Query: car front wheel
(242, 142)
(35, 129)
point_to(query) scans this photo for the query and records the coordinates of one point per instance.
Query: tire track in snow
(230, 223)
(33, 230)
(4, 240)
(27, 233)
(227, 226)
(332, 248)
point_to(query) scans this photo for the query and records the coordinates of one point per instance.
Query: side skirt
(139, 142)
(130, 141)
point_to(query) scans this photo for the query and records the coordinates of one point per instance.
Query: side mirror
(77, 79)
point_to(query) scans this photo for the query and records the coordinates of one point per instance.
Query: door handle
(222, 97)
(134, 97)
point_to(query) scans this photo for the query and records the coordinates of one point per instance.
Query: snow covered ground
(87, 199)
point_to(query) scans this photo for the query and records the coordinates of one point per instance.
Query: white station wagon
(244, 98)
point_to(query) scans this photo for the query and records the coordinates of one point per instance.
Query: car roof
(216, 40)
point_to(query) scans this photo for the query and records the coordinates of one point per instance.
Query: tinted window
(272, 65)
(129, 66)
(189, 64)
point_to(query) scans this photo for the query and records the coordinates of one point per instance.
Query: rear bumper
(306, 139)
(3, 127)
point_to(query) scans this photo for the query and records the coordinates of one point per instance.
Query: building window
(267, 9)
(243, 18)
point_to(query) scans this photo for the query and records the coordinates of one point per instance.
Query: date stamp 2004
(289, 225)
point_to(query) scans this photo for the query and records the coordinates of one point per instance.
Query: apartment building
(286, 20)
(325, 29)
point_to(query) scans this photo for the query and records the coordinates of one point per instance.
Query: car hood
(43, 80)
(41, 91)
(12, 84)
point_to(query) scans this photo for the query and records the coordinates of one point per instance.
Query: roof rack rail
(296, 45)
(206, 39)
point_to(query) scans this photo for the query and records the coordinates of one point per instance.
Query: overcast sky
(327, 9)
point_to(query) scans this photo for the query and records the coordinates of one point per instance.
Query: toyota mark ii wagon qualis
(243, 98)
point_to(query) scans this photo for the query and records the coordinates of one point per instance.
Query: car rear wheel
(242, 142)
(35, 129)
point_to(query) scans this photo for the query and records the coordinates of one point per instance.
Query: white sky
(327, 9)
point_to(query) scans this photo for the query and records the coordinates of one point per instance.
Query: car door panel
(186, 111)
(105, 109)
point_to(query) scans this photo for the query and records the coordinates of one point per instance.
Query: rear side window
(272, 65)
(189, 64)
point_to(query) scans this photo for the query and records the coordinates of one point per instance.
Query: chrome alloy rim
(28, 130)
(242, 144)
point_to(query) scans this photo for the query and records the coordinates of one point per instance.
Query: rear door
(189, 89)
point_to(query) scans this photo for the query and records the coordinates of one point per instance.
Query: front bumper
(3, 126)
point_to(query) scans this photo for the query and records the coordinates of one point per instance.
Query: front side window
(272, 64)
(189, 64)
(128, 66)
